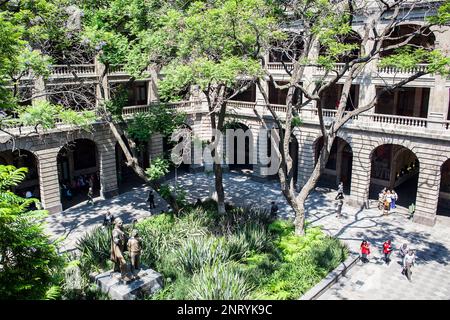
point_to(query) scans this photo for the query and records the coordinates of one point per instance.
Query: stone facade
(428, 138)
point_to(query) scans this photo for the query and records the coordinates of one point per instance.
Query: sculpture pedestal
(147, 281)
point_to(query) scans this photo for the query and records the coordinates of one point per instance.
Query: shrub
(329, 253)
(195, 253)
(238, 246)
(219, 282)
(29, 262)
(95, 249)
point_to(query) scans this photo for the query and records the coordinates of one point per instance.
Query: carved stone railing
(68, 70)
(117, 70)
(407, 71)
(241, 104)
(278, 66)
(337, 67)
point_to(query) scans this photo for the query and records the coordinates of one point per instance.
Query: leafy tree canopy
(29, 262)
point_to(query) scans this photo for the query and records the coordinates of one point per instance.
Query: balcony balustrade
(81, 70)
(367, 120)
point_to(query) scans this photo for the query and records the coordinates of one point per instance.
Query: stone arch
(78, 163)
(240, 153)
(444, 189)
(427, 39)
(28, 159)
(340, 162)
(392, 165)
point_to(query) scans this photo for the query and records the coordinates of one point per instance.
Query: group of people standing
(78, 185)
(407, 254)
(387, 200)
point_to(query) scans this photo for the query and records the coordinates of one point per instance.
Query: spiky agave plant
(220, 281)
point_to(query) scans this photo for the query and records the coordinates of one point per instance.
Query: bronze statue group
(121, 242)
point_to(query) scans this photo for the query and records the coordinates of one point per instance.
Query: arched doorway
(339, 165)
(78, 168)
(394, 167)
(23, 158)
(444, 190)
(293, 152)
(419, 38)
(242, 156)
(352, 39)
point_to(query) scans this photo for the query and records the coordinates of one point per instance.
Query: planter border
(340, 271)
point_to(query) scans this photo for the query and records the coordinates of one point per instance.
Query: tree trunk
(134, 164)
(217, 167)
(118, 133)
(299, 204)
(219, 188)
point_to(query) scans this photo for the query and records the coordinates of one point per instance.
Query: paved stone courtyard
(375, 280)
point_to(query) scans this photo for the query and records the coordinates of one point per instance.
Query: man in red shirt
(387, 250)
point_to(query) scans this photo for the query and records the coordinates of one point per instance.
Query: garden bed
(241, 255)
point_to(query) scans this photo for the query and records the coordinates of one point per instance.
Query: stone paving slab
(375, 280)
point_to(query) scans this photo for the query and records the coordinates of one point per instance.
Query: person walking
(408, 262)
(403, 250)
(381, 199)
(273, 210)
(365, 251)
(340, 191)
(387, 203)
(394, 197)
(339, 207)
(108, 219)
(151, 200)
(90, 196)
(387, 250)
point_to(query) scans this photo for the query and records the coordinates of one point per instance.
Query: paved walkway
(375, 280)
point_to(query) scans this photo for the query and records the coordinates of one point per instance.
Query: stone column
(427, 193)
(48, 180)
(306, 155)
(439, 102)
(39, 89)
(367, 88)
(107, 168)
(260, 150)
(99, 69)
(439, 94)
(361, 170)
(156, 145)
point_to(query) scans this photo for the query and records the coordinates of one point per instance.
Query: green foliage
(160, 119)
(197, 252)
(408, 57)
(443, 14)
(29, 262)
(221, 281)
(296, 122)
(159, 167)
(41, 113)
(214, 43)
(95, 249)
(83, 119)
(47, 115)
(204, 255)
(305, 261)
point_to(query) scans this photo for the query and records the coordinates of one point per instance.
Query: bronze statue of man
(118, 243)
(134, 248)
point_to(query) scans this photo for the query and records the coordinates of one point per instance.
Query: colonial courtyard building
(403, 143)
